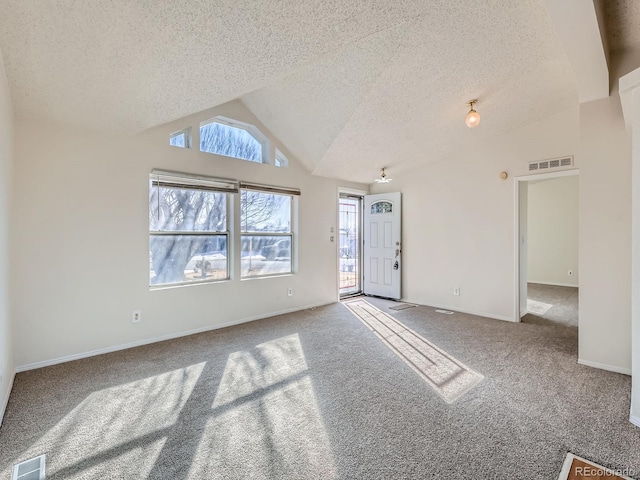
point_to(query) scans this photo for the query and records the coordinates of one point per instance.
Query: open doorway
(548, 274)
(350, 244)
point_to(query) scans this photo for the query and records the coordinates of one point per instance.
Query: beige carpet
(552, 305)
(317, 394)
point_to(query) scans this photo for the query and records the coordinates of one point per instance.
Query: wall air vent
(30, 469)
(551, 163)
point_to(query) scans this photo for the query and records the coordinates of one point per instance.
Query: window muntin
(235, 139)
(188, 234)
(266, 233)
(381, 207)
(181, 139)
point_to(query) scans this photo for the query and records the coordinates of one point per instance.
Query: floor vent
(552, 163)
(446, 312)
(29, 470)
(402, 306)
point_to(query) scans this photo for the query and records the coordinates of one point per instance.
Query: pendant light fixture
(473, 117)
(383, 177)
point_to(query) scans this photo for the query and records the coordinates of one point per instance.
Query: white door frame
(516, 226)
(336, 231)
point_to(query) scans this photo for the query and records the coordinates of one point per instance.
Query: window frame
(280, 158)
(188, 141)
(266, 190)
(247, 127)
(196, 182)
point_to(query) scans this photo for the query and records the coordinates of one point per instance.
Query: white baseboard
(5, 402)
(139, 343)
(635, 420)
(553, 284)
(602, 366)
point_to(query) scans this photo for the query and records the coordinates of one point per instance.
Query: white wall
(553, 231)
(629, 86)
(605, 236)
(6, 161)
(458, 225)
(458, 218)
(81, 238)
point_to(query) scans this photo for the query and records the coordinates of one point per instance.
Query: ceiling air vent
(30, 469)
(552, 163)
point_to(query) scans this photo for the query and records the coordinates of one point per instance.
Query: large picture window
(188, 228)
(266, 232)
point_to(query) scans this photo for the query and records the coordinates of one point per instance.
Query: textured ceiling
(348, 85)
(398, 97)
(118, 65)
(622, 24)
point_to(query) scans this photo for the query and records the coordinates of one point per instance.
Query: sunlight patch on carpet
(537, 308)
(450, 378)
(266, 408)
(129, 421)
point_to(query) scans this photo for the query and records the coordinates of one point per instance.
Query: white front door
(382, 264)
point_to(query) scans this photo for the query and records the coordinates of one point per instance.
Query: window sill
(186, 284)
(264, 277)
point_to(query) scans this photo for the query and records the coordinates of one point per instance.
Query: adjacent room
(550, 244)
(337, 240)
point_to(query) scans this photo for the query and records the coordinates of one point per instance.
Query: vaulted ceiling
(349, 86)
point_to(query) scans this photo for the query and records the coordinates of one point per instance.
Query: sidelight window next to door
(350, 241)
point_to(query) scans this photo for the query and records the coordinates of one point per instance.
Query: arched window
(231, 138)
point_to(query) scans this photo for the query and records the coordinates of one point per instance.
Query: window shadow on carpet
(448, 377)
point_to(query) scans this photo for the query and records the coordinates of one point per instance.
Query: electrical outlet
(290, 292)
(456, 291)
(570, 273)
(136, 316)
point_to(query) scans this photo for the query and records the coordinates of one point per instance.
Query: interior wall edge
(503, 318)
(5, 402)
(602, 366)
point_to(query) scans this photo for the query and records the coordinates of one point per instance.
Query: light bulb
(473, 119)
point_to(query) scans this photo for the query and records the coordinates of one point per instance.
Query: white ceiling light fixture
(383, 177)
(473, 117)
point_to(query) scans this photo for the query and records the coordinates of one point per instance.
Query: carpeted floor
(552, 305)
(316, 394)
